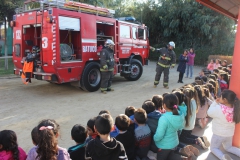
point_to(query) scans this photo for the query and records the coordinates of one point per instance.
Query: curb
(11, 76)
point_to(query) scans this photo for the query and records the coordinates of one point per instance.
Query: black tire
(91, 77)
(136, 70)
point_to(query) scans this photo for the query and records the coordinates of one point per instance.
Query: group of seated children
(160, 130)
(217, 63)
(221, 74)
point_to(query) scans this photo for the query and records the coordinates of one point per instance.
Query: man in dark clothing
(104, 147)
(166, 60)
(107, 66)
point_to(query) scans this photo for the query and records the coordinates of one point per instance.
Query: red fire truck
(70, 36)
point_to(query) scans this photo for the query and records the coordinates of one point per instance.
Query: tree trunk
(5, 44)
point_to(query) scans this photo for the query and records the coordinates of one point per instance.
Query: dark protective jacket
(182, 64)
(106, 59)
(167, 57)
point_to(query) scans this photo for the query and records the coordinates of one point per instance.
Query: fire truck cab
(70, 36)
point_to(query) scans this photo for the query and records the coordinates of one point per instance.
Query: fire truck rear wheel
(136, 70)
(91, 77)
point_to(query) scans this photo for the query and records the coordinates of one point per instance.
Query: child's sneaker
(205, 141)
(206, 120)
(185, 151)
(201, 143)
(226, 157)
(200, 123)
(194, 150)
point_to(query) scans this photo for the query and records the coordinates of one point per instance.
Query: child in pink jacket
(9, 149)
(210, 66)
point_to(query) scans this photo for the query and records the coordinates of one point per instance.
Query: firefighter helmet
(109, 42)
(172, 44)
(35, 49)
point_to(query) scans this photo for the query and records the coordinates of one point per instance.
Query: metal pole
(235, 78)
(5, 44)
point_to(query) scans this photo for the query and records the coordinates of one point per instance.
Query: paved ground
(22, 107)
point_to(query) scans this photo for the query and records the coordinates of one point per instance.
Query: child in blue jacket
(166, 136)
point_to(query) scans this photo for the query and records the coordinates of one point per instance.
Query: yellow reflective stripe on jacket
(165, 66)
(167, 58)
(105, 70)
(173, 65)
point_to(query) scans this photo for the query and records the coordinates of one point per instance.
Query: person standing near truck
(166, 60)
(107, 66)
(190, 64)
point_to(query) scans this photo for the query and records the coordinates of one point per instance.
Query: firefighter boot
(110, 89)
(155, 84)
(166, 87)
(104, 92)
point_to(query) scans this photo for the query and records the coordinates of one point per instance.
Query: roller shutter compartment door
(68, 23)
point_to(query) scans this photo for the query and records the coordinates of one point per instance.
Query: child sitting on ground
(217, 64)
(166, 136)
(225, 112)
(224, 63)
(129, 111)
(157, 100)
(202, 73)
(229, 68)
(224, 81)
(216, 71)
(79, 135)
(153, 116)
(104, 147)
(202, 110)
(9, 149)
(210, 66)
(34, 135)
(92, 134)
(186, 135)
(185, 150)
(48, 132)
(142, 134)
(126, 135)
(114, 132)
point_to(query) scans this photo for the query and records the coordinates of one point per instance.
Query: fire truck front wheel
(135, 70)
(91, 77)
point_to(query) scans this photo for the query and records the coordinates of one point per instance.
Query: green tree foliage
(7, 8)
(188, 24)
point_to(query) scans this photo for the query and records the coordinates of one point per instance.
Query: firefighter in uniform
(107, 66)
(166, 60)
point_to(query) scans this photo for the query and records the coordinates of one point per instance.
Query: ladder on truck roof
(69, 5)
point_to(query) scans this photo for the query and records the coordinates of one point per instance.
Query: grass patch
(9, 71)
